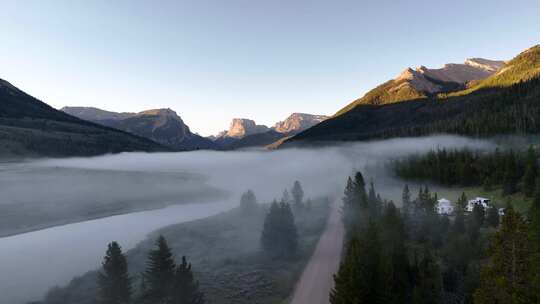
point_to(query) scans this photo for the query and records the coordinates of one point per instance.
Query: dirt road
(317, 279)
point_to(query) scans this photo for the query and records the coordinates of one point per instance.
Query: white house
(484, 202)
(444, 206)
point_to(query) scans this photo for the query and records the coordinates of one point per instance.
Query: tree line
(279, 237)
(166, 282)
(513, 171)
(414, 255)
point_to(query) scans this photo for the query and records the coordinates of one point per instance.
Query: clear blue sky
(212, 61)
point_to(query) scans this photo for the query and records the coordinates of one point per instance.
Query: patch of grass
(520, 202)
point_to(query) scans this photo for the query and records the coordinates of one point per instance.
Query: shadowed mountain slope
(160, 125)
(29, 127)
(423, 82)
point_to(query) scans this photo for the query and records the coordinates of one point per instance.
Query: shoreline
(88, 219)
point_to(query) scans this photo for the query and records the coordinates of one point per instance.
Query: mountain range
(164, 126)
(479, 97)
(244, 133)
(423, 101)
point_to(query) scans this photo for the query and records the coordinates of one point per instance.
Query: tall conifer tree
(298, 195)
(185, 289)
(159, 274)
(507, 276)
(531, 172)
(113, 281)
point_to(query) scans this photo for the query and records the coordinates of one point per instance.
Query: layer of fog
(36, 197)
(322, 171)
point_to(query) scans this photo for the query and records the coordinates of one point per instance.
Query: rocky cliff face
(241, 127)
(244, 133)
(433, 80)
(160, 125)
(298, 122)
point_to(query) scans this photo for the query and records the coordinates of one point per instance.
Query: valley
(161, 172)
(263, 152)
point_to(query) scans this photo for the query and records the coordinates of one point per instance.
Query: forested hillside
(29, 127)
(414, 255)
(507, 102)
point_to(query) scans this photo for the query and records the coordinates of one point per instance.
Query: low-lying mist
(321, 170)
(48, 187)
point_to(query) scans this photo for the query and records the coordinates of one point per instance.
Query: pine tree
(420, 199)
(113, 281)
(531, 172)
(279, 237)
(462, 202)
(248, 202)
(506, 278)
(406, 199)
(349, 214)
(298, 195)
(428, 288)
(159, 274)
(360, 190)
(510, 179)
(479, 214)
(534, 215)
(459, 223)
(370, 257)
(286, 198)
(492, 218)
(289, 230)
(185, 289)
(355, 202)
(345, 289)
(359, 279)
(373, 201)
(394, 260)
(372, 195)
(269, 236)
(475, 222)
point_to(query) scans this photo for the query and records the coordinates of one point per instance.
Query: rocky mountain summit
(433, 81)
(298, 122)
(241, 127)
(245, 133)
(163, 126)
(423, 82)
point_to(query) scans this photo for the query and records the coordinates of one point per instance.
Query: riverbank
(226, 257)
(153, 206)
(34, 262)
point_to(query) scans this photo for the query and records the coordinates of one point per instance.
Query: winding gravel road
(317, 279)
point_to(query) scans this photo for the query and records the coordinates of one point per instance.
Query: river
(70, 250)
